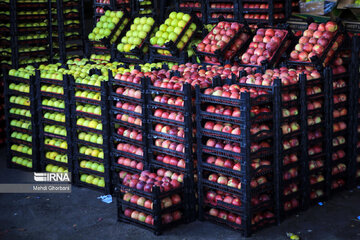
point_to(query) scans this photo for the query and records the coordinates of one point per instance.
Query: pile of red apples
(263, 46)
(314, 41)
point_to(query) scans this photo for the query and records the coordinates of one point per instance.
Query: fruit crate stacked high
(315, 49)
(5, 57)
(355, 131)
(171, 129)
(128, 141)
(5, 38)
(222, 8)
(21, 115)
(90, 126)
(31, 31)
(152, 201)
(173, 37)
(339, 147)
(68, 31)
(54, 120)
(264, 11)
(236, 167)
(197, 6)
(288, 133)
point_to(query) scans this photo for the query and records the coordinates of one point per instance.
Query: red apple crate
(175, 53)
(234, 10)
(277, 53)
(220, 54)
(320, 59)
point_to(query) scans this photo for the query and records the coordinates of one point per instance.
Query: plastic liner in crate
(33, 132)
(234, 11)
(221, 54)
(136, 55)
(274, 58)
(319, 60)
(171, 46)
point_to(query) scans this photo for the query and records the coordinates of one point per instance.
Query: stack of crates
(90, 129)
(236, 163)
(54, 120)
(128, 127)
(21, 115)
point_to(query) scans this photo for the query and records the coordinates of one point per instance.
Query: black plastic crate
(234, 11)
(175, 54)
(220, 54)
(155, 196)
(265, 8)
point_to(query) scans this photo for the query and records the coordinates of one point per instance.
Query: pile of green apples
(107, 24)
(88, 95)
(94, 80)
(32, 25)
(92, 151)
(21, 136)
(139, 30)
(99, 167)
(88, 108)
(22, 72)
(25, 101)
(90, 123)
(53, 74)
(171, 29)
(53, 102)
(55, 116)
(21, 148)
(33, 36)
(21, 124)
(26, 162)
(91, 179)
(21, 87)
(55, 169)
(52, 89)
(56, 156)
(54, 129)
(39, 12)
(32, 60)
(91, 137)
(56, 142)
(31, 49)
(20, 112)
